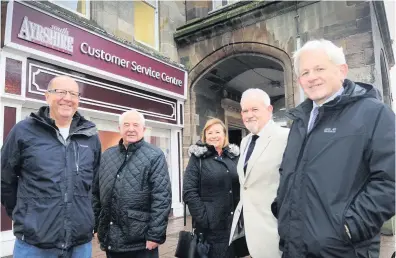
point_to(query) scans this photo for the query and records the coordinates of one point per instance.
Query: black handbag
(186, 245)
(192, 244)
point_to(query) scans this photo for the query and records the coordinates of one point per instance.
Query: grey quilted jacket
(131, 197)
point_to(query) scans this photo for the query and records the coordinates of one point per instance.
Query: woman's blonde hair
(215, 121)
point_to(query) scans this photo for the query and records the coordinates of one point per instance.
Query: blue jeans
(23, 250)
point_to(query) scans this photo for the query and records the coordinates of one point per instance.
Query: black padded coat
(132, 197)
(212, 206)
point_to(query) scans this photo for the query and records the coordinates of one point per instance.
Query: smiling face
(132, 128)
(215, 135)
(255, 114)
(62, 107)
(319, 77)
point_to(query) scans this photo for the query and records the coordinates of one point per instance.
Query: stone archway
(201, 67)
(245, 48)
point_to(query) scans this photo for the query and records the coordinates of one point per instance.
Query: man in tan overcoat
(258, 170)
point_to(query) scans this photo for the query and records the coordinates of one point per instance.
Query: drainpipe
(298, 46)
(185, 9)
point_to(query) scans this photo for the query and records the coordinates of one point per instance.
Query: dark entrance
(235, 136)
(221, 88)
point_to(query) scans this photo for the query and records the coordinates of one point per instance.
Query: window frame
(156, 26)
(88, 8)
(223, 6)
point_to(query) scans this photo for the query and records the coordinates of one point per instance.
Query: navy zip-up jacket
(46, 181)
(337, 183)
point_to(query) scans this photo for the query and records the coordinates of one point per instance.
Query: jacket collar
(78, 125)
(201, 149)
(335, 95)
(131, 147)
(352, 92)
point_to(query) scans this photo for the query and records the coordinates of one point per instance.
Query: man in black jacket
(48, 164)
(337, 184)
(132, 194)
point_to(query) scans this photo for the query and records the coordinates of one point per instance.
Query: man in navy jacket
(48, 164)
(337, 183)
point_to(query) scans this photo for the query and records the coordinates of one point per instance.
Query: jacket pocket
(43, 222)
(217, 213)
(137, 224)
(139, 215)
(84, 159)
(353, 227)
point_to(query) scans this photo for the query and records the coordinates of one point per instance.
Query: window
(145, 22)
(80, 7)
(217, 4)
(162, 139)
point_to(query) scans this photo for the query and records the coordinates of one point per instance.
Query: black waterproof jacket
(46, 181)
(212, 193)
(132, 197)
(337, 184)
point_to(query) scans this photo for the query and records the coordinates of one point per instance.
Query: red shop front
(113, 78)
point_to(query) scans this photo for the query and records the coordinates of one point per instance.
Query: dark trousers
(135, 254)
(240, 247)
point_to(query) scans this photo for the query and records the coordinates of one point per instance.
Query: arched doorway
(217, 92)
(201, 95)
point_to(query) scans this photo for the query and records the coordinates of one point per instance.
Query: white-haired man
(337, 184)
(132, 194)
(258, 169)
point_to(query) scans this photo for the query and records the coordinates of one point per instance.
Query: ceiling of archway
(242, 72)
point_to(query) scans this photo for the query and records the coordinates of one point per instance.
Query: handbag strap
(200, 171)
(199, 191)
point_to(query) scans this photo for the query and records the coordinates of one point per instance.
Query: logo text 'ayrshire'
(51, 37)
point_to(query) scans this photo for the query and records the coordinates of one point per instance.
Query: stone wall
(274, 25)
(116, 17)
(171, 16)
(352, 31)
(197, 9)
(346, 23)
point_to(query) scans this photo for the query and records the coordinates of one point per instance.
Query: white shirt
(250, 138)
(64, 132)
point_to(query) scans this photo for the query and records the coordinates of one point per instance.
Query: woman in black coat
(212, 192)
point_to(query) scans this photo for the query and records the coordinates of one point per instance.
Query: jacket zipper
(76, 156)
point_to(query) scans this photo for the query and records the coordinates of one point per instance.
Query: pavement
(167, 250)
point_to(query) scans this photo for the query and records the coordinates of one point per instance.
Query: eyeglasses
(63, 93)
